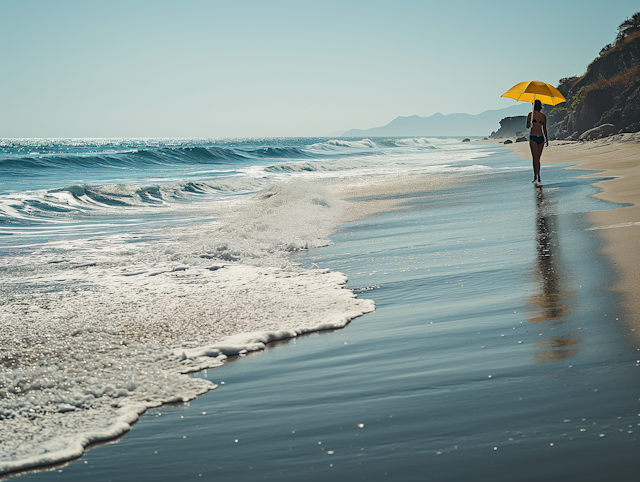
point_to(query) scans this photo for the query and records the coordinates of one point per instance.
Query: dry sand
(617, 156)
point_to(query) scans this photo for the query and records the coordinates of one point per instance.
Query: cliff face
(511, 126)
(609, 93)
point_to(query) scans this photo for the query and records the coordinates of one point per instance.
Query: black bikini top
(535, 120)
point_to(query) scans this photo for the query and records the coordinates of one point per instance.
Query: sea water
(127, 264)
(496, 350)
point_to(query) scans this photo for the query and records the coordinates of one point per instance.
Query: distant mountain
(443, 125)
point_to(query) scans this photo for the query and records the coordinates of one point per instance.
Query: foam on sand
(96, 331)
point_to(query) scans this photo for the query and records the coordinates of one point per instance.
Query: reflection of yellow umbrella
(533, 90)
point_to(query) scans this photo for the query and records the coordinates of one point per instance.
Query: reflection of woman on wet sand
(552, 301)
(537, 121)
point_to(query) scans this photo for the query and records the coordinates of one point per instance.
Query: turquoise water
(496, 352)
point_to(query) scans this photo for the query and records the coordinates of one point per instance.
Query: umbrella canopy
(533, 90)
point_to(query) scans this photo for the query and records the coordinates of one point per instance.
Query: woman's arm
(544, 129)
(529, 121)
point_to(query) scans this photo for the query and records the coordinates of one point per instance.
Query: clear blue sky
(195, 68)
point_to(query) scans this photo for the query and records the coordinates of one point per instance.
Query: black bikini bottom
(537, 139)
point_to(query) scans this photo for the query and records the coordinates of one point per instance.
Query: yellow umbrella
(533, 90)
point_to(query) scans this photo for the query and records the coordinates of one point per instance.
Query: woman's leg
(540, 147)
(535, 154)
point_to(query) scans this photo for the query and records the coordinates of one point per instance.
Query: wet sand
(386, 194)
(617, 157)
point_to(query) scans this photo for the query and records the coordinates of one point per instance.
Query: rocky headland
(514, 126)
(606, 99)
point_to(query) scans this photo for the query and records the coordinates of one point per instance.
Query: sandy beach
(618, 157)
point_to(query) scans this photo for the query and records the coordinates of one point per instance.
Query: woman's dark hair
(537, 105)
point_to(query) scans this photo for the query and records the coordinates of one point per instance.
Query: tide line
(611, 226)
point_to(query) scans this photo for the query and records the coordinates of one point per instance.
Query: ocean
(402, 309)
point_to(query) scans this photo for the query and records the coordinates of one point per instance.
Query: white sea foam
(413, 141)
(282, 218)
(97, 330)
(394, 162)
(362, 144)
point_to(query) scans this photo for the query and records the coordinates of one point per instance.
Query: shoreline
(617, 157)
(440, 285)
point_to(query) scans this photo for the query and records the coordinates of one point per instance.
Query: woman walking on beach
(537, 121)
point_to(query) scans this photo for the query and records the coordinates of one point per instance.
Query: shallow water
(127, 264)
(496, 352)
